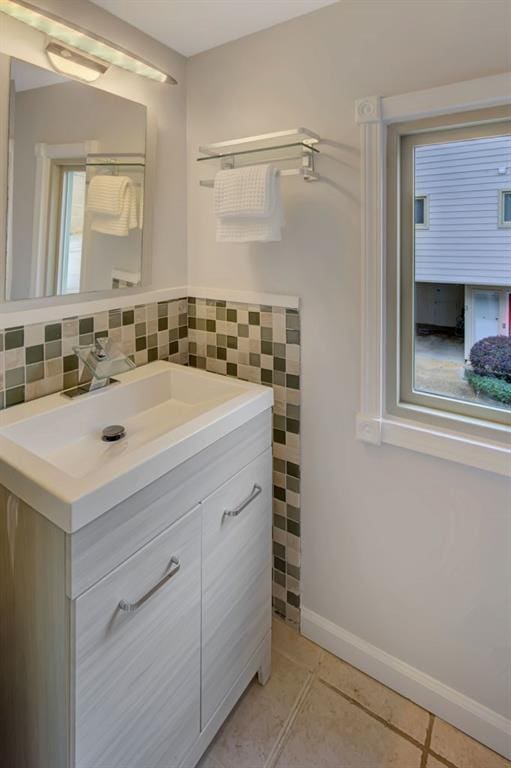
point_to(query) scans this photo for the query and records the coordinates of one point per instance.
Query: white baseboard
(465, 713)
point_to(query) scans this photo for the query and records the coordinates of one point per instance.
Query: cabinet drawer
(137, 685)
(236, 578)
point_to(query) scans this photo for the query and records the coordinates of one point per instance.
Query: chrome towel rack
(279, 147)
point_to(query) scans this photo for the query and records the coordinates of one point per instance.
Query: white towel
(248, 204)
(106, 194)
(118, 224)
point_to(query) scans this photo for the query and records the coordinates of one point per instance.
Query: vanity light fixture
(69, 61)
(80, 43)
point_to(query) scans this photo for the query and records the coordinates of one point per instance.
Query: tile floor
(318, 712)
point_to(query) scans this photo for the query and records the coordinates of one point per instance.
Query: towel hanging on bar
(248, 204)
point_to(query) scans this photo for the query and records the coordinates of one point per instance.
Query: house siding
(463, 242)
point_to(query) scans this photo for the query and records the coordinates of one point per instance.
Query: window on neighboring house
(421, 211)
(505, 208)
(453, 349)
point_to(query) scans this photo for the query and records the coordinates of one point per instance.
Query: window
(65, 242)
(455, 347)
(505, 208)
(421, 212)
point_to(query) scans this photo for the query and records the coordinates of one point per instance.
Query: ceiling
(192, 26)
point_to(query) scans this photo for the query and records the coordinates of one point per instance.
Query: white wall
(166, 106)
(408, 552)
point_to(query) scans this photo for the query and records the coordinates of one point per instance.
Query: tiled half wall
(252, 342)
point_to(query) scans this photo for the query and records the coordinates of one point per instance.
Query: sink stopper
(113, 432)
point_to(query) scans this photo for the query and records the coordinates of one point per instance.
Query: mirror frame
(23, 42)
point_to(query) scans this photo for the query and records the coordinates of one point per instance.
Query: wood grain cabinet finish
(137, 675)
(86, 684)
(236, 579)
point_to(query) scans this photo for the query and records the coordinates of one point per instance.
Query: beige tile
(329, 732)
(290, 643)
(251, 731)
(432, 762)
(461, 750)
(384, 702)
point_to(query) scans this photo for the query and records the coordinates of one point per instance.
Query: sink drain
(113, 432)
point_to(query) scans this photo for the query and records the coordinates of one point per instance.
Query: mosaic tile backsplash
(37, 360)
(252, 342)
(262, 344)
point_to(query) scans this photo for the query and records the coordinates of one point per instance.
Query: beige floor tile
(384, 702)
(461, 750)
(329, 732)
(292, 644)
(432, 762)
(252, 730)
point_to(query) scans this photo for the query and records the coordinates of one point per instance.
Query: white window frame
(425, 224)
(487, 446)
(502, 196)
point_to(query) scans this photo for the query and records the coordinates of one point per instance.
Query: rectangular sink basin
(52, 454)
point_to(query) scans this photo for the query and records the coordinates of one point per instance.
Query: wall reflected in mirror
(75, 194)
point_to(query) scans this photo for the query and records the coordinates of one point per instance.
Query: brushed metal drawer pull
(254, 493)
(132, 607)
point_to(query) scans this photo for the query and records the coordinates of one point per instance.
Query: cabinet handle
(132, 607)
(254, 493)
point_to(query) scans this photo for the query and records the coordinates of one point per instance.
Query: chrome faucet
(101, 360)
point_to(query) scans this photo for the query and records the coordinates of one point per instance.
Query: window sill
(444, 444)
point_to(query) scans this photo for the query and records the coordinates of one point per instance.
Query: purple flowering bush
(492, 357)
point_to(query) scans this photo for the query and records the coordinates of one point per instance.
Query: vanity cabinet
(126, 644)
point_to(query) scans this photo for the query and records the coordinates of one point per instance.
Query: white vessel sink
(52, 454)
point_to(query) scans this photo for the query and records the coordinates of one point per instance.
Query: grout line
(372, 714)
(427, 743)
(443, 760)
(279, 744)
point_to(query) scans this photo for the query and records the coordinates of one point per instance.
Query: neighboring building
(463, 237)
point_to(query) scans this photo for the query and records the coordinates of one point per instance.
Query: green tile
(140, 343)
(292, 381)
(128, 317)
(254, 318)
(243, 330)
(221, 353)
(266, 376)
(279, 364)
(85, 325)
(232, 342)
(14, 396)
(152, 354)
(115, 319)
(279, 578)
(232, 316)
(294, 571)
(292, 469)
(293, 426)
(254, 359)
(221, 340)
(173, 348)
(70, 363)
(35, 372)
(163, 323)
(293, 599)
(266, 334)
(293, 337)
(279, 436)
(211, 326)
(34, 354)
(279, 564)
(232, 369)
(70, 380)
(52, 349)
(266, 348)
(152, 340)
(140, 330)
(14, 377)
(279, 378)
(279, 550)
(14, 338)
(183, 332)
(221, 313)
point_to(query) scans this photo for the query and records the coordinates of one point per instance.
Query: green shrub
(498, 389)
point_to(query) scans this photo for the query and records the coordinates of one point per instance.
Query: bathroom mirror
(75, 187)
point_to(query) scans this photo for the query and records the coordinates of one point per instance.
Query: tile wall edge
(45, 314)
(245, 297)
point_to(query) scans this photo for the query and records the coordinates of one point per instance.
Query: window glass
(461, 297)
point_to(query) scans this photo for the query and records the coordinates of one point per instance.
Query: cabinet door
(137, 685)
(236, 578)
